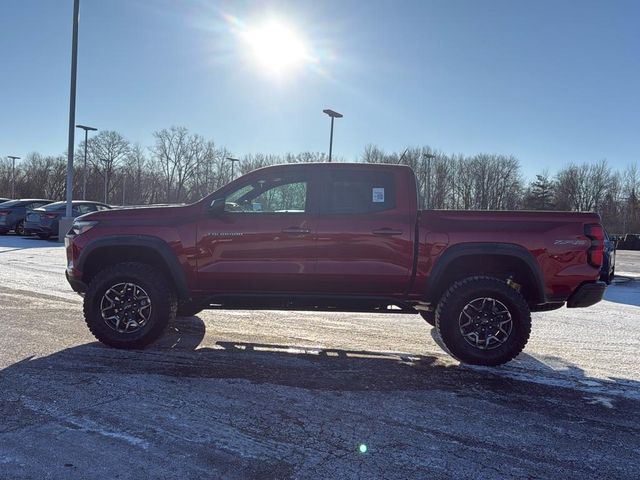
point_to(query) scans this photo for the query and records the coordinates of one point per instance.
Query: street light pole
(233, 161)
(104, 161)
(13, 175)
(427, 179)
(333, 116)
(84, 170)
(72, 107)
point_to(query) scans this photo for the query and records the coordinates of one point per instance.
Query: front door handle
(387, 231)
(296, 231)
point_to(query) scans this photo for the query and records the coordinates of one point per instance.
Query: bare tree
(179, 154)
(583, 187)
(107, 151)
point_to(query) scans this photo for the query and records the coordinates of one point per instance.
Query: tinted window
(102, 207)
(360, 192)
(82, 208)
(271, 195)
(11, 203)
(86, 208)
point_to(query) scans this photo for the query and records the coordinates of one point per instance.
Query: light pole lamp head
(86, 129)
(12, 157)
(332, 113)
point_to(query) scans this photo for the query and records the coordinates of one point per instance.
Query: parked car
(334, 237)
(13, 213)
(44, 221)
(609, 260)
(629, 241)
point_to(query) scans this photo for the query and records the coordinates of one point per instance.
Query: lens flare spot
(276, 46)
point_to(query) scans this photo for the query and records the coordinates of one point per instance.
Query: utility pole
(84, 170)
(333, 116)
(13, 175)
(124, 186)
(427, 179)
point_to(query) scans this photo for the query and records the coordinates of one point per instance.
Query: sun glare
(276, 47)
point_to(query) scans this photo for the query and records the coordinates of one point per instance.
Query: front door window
(269, 196)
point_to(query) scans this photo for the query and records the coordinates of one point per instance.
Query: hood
(142, 214)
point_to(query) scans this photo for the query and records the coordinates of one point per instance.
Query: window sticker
(378, 195)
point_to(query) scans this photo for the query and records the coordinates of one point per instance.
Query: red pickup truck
(334, 237)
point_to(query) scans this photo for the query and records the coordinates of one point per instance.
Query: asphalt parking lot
(241, 394)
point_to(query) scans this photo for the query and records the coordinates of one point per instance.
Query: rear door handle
(296, 231)
(387, 231)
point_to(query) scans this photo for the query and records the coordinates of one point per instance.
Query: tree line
(181, 166)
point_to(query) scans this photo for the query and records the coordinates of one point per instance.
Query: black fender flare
(146, 241)
(486, 248)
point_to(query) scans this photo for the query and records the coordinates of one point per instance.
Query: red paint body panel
(316, 252)
(564, 266)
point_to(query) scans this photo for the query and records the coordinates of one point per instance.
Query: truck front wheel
(129, 305)
(483, 321)
(429, 317)
(188, 309)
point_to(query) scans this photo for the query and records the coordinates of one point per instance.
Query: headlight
(81, 227)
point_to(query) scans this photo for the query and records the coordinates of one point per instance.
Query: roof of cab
(333, 166)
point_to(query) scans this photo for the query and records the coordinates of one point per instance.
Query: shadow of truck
(249, 410)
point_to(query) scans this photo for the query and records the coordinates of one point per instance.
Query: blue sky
(548, 81)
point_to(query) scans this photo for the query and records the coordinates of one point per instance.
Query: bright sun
(276, 47)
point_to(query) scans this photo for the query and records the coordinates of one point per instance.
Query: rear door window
(357, 192)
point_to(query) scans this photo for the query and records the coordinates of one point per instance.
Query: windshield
(11, 203)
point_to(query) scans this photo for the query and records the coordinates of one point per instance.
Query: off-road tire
(188, 309)
(459, 295)
(429, 317)
(163, 304)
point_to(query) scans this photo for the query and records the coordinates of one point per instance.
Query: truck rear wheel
(129, 305)
(483, 321)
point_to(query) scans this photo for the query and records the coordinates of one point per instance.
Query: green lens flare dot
(362, 448)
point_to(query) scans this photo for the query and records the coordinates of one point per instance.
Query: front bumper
(77, 285)
(587, 294)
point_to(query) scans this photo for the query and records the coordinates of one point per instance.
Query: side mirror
(217, 207)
